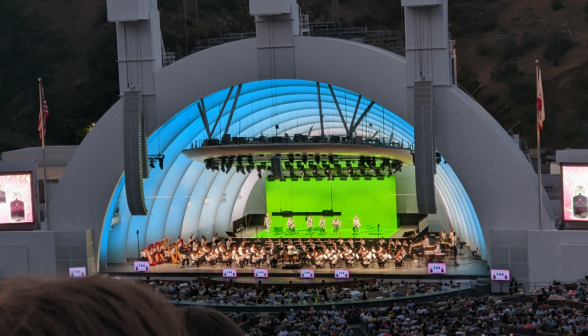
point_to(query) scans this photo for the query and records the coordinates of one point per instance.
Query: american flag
(43, 114)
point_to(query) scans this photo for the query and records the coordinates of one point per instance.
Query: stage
(469, 269)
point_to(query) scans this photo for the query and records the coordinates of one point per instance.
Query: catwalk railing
(299, 138)
(389, 40)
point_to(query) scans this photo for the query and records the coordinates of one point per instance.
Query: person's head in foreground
(92, 306)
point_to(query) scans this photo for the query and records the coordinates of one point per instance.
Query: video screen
(16, 198)
(341, 274)
(260, 273)
(437, 268)
(500, 275)
(307, 273)
(229, 273)
(575, 190)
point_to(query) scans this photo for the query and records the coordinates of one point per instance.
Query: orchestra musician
(216, 239)
(443, 235)
(229, 242)
(291, 248)
(426, 241)
(350, 242)
(382, 241)
(362, 242)
(203, 241)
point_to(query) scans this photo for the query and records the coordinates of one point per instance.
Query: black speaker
(277, 168)
(292, 266)
(408, 234)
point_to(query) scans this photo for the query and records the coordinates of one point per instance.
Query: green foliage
(484, 50)
(558, 43)
(556, 5)
(367, 20)
(469, 17)
(530, 41)
(467, 79)
(510, 49)
(505, 72)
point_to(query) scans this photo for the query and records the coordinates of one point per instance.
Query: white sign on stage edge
(307, 273)
(260, 273)
(341, 274)
(77, 272)
(141, 266)
(500, 275)
(229, 273)
(437, 268)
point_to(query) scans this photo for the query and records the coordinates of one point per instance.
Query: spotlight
(317, 159)
(250, 160)
(348, 164)
(288, 165)
(240, 160)
(291, 158)
(331, 159)
(258, 168)
(222, 168)
(208, 163)
(361, 162)
(223, 160)
(249, 169)
(161, 162)
(259, 175)
(304, 158)
(438, 158)
(151, 164)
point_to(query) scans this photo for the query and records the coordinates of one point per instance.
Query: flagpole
(44, 154)
(538, 146)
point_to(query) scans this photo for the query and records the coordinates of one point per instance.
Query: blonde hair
(89, 307)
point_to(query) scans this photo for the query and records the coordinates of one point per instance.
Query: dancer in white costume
(356, 223)
(336, 224)
(322, 224)
(290, 224)
(309, 222)
(267, 222)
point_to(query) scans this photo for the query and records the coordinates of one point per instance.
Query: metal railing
(167, 58)
(299, 138)
(389, 40)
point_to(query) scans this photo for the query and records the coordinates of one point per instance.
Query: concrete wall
(29, 254)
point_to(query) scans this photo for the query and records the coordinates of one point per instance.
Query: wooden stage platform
(468, 269)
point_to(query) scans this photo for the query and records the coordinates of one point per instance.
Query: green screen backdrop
(374, 201)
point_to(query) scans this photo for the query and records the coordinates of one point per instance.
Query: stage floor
(258, 231)
(467, 269)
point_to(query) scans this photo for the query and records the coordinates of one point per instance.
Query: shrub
(505, 72)
(558, 44)
(556, 5)
(530, 41)
(484, 50)
(467, 79)
(472, 17)
(510, 48)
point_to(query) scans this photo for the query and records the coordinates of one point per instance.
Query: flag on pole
(540, 101)
(43, 114)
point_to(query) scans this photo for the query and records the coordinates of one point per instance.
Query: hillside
(72, 47)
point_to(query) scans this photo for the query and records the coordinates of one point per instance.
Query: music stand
(231, 234)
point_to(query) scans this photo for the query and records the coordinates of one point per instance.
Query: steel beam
(354, 127)
(356, 108)
(220, 114)
(233, 109)
(318, 92)
(339, 109)
(202, 110)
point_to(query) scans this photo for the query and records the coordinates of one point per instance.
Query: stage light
(161, 162)
(317, 159)
(240, 160)
(222, 168)
(331, 159)
(361, 162)
(304, 158)
(151, 164)
(223, 160)
(208, 163)
(250, 160)
(249, 169)
(287, 165)
(291, 158)
(438, 158)
(259, 176)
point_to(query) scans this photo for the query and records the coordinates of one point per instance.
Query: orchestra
(334, 253)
